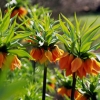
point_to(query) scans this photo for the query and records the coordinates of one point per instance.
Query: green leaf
(84, 27)
(64, 28)
(0, 15)
(20, 53)
(77, 26)
(89, 34)
(95, 47)
(11, 32)
(5, 22)
(92, 87)
(86, 47)
(91, 24)
(19, 36)
(97, 36)
(56, 27)
(98, 56)
(71, 28)
(21, 25)
(62, 39)
(73, 47)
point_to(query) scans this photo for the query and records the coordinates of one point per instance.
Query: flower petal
(88, 65)
(36, 53)
(96, 66)
(1, 59)
(15, 63)
(48, 54)
(81, 71)
(68, 71)
(63, 62)
(76, 64)
(62, 91)
(57, 53)
(43, 58)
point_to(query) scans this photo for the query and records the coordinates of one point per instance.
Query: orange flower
(52, 85)
(82, 97)
(36, 53)
(65, 61)
(88, 65)
(96, 66)
(21, 11)
(43, 57)
(76, 64)
(15, 63)
(57, 53)
(48, 54)
(54, 55)
(81, 71)
(2, 58)
(14, 12)
(64, 91)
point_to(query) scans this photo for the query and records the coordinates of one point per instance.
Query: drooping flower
(21, 11)
(76, 64)
(41, 55)
(82, 97)
(2, 58)
(57, 53)
(36, 53)
(54, 54)
(72, 64)
(15, 63)
(65, 61)
(81, 71)
(64, 91)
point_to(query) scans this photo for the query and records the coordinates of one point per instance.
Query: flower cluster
(63, 91)
(75, 64)
(52, 54)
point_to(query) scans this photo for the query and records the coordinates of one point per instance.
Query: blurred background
(67, 7)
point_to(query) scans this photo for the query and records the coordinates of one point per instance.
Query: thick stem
(33, 65)
(44, 83)
(73, 86)
(94, 97)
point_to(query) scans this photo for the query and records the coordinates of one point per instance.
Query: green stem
(73, 86)
(44, 83)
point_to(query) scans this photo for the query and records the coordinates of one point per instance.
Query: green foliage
(78, 39)
(42, 30)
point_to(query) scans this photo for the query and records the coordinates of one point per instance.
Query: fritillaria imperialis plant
(10, 50)
(79, 58)
(10, 41)
(44, 41)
